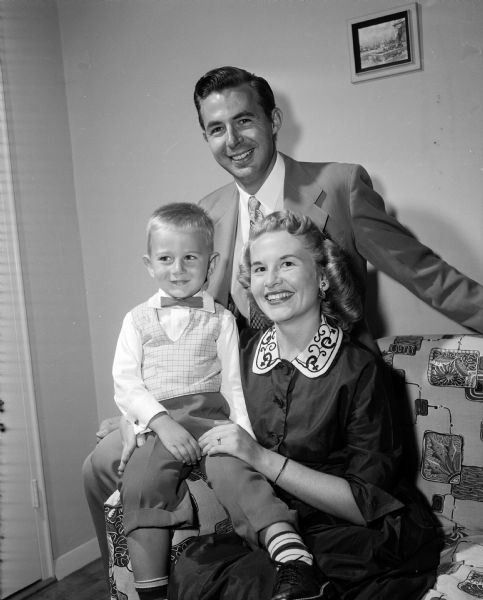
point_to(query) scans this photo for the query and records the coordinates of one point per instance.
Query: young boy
(176, 375)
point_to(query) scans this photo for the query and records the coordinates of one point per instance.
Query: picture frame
(384, 43)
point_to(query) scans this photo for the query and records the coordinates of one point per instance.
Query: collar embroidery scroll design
(314, 361)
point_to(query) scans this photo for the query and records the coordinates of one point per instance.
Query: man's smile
(241, 157)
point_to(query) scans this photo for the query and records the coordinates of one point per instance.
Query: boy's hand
(176, 438)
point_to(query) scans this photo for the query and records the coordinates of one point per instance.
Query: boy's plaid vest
(188, 365)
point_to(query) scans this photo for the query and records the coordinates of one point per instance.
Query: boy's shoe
(296, 580)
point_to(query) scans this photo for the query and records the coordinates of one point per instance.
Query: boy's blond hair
(182, 215)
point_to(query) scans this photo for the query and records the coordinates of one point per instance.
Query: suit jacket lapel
(303, 193)
(224, 212)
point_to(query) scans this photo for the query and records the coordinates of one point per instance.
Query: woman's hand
(229, 438)
(129, 442)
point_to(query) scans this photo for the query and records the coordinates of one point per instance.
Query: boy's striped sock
(154, 589)
(286, 546)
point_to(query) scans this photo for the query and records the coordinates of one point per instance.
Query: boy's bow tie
(192, 302)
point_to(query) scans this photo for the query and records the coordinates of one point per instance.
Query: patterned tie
(254, 211)
(257, 319)
(193, 302)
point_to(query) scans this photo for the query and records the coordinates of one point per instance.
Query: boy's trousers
(153, 488)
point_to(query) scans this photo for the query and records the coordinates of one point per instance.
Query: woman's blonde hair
(342, 304)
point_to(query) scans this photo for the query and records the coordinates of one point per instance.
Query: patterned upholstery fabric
(439, 383)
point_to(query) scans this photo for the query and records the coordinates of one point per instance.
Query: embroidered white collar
(315, 360)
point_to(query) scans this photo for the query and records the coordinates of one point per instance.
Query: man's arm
(391, 248)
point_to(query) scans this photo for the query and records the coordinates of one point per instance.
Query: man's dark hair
(223, 78)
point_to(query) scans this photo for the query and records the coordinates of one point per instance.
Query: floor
(86, 584)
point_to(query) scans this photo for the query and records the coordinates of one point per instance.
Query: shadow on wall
(291, 131)
(374, 316)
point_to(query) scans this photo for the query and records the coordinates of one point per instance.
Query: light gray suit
(340, 199)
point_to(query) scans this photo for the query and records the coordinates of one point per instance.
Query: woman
(320, 401)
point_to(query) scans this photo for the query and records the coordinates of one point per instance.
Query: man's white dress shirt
(270, 196)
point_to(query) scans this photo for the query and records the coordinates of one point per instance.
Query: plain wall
(51, 259)
(130, 69)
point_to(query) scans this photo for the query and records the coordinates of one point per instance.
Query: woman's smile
(278, 297)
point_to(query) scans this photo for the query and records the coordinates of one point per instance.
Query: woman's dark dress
(331, 413)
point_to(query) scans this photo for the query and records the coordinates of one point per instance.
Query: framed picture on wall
(384, 43)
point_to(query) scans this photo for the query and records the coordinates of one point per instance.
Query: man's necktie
(193, 302)
(257, 319)
(254, 211)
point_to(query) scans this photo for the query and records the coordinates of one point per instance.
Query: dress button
(274, 439)
(279, 401)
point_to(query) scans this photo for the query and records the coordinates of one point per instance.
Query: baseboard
(76, 559)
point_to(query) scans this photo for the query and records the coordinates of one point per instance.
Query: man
(240, 122)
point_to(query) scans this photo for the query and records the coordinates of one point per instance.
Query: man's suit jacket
(340, 199)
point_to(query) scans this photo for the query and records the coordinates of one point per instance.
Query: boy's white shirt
(130, 392)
